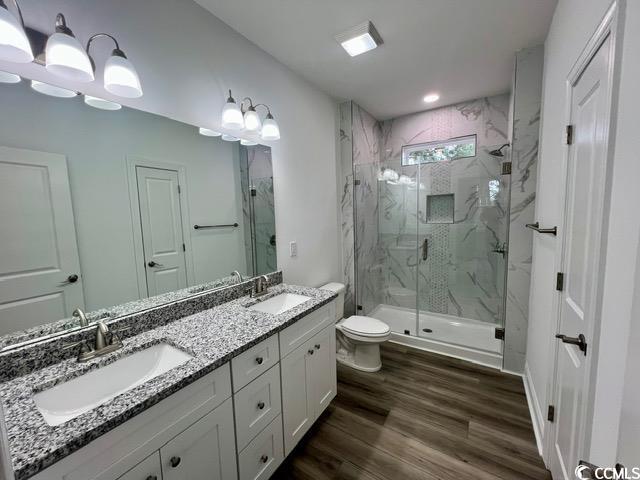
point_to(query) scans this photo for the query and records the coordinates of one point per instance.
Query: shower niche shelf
(440, 208)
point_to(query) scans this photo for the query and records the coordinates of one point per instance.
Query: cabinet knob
(261, 405)
(311, 351)
(259, 360)
(317, 346)
(152, 477)
(264, 458)
(175, 461)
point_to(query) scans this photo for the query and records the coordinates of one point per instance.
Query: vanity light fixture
(431, 97)
(248, 143)
(6, 77)
(101, 103)
(208, 132)
(360, 39)
(232, 117)
(52, 90)
(229, 138)
(64, 55)
(14, 44)
(268, 128)
(252, 121)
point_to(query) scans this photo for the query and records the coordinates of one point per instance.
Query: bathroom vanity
(249, 377)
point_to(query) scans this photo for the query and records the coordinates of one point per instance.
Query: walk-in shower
(431, 235)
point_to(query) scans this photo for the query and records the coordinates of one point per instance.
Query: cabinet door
(297, 396)
(323, 369)
(204, 451)
(148, 469)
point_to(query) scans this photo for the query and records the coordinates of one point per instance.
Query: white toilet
(359, 337)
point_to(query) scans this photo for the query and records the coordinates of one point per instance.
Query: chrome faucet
(83, 318)
(238, 275)
(261, 286)
(106, 341)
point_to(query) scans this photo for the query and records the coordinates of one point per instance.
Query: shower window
(439, 151)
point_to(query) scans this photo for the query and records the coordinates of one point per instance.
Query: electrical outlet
(293, 249)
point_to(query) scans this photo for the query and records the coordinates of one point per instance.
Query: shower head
(498, 151)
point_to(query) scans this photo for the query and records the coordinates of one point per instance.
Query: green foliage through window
(440, 151)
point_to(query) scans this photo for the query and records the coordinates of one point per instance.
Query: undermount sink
(280, 303)
(68, 400)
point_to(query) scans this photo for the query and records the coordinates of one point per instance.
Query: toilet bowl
(359, 337)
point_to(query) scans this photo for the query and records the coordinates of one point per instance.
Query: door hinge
(551, 413)
(499, 333)
(179, 189)
(184, 248)
(559, 281)
(506, 168)
(569, 134)
(356, 182)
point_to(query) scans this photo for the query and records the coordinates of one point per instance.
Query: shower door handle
(425, 249)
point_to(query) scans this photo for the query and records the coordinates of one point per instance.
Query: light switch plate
(293, 249)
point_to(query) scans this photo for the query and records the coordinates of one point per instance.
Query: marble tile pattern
(111, 313)
(347, 207)
(23, 359)
(524, 156)
(461, 276)
(212, 336)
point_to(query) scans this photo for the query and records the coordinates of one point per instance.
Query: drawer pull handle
(261, 405)
(311, 351)
(152, 477)
(317, 346)
(175, 461)
(264, 458)
(259, 360)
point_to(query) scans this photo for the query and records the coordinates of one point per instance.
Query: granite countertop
(212, 337)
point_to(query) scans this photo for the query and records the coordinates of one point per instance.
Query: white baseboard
(537, 418)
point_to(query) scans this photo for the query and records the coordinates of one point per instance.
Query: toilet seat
(365, 327)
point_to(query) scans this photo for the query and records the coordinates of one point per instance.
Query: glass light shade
(6, 77)
(208, 133)
(66, 58)
(247, 143)
(252, 122)
(52, 90)
(270, 129)
(229, 138)
(101, 103)
(14, 44)
(121, 78)
(232, 116)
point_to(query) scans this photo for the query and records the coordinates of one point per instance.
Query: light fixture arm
(61, 25)
(265, 106)
(117, 52)
(244, 109)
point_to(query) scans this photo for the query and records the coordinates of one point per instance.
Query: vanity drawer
(264, 454)
(256, 405)
(305, 328)
(254, 362)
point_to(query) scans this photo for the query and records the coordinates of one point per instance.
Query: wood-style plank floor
(423, 416)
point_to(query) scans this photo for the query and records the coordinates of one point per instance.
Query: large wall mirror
(100, 210)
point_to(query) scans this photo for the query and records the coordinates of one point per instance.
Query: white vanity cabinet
(148, 469)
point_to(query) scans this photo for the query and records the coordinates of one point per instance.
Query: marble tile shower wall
(527, 93)
(462, 276)
(347, 207)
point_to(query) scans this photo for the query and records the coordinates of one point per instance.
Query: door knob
(580, 341)
(154, 264)
(73, 278)
(175, 461)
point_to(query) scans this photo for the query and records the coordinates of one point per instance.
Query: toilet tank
(338, 288)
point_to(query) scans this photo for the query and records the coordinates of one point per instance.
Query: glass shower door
(462, 226)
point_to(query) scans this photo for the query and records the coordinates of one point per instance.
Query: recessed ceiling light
(101, 103)
(208, 132)
(432, 97)
(52, 90)
(6, 77)
(360, 39)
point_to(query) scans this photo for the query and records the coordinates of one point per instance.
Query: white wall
(573, 24)
(187, 59)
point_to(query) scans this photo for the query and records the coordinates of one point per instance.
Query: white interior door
(40, 277)
(162, 238)
(586, 172)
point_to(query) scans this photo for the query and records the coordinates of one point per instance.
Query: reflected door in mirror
(162, 236)
(39, 265)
